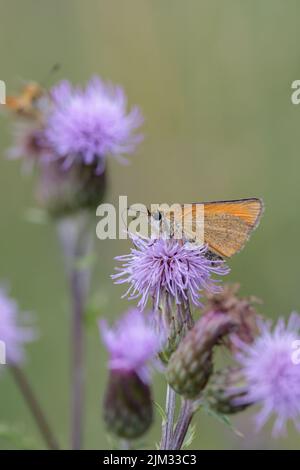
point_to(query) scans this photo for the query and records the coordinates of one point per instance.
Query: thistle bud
(128, 409)
(225, 390)
(132, 345)
(191, 364)
(65, 191)
(175, 322)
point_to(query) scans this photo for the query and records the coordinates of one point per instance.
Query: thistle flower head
(273, 379)
(12, 333)
(29, 142)
(87, 125)
(132, 344)
(154, 267)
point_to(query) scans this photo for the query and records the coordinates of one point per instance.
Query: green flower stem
(184, 420)
(168, 424)
(76, 236)
(34, 407)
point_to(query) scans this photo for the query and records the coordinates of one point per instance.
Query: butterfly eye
(157, 216)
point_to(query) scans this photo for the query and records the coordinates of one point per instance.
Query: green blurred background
(213, 79)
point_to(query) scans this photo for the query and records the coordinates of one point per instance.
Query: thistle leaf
(161, 411)
(189, 438)
(221, 418)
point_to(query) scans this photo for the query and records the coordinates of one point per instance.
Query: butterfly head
(157, 215)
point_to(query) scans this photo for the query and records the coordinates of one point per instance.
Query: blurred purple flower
(29, 143)
(12, 333)
(272, 378)
(87, 125)
(157, 266)
(132, 343)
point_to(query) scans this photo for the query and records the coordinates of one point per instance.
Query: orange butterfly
(225, 226)
(25, 103)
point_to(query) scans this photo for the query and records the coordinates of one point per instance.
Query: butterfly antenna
(54, 69)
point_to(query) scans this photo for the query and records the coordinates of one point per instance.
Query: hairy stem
(34, 407)
(77, 361)
(168, 425)
(181, 320)
(76, 241)
(182, 426)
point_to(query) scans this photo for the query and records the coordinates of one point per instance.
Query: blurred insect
(224, 226)
(25, 104)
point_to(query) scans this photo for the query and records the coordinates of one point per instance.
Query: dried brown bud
(241, 310)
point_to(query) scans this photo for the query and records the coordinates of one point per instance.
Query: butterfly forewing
(228, 224)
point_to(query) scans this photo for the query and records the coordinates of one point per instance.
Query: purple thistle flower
(12, 334)
(272, 378)
(87, 125)
(157, 266)
(132, 344)
(29, 143)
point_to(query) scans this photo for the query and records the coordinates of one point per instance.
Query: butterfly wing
(24, 102)
(12, 102)
(224, 226)
(228, 224)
